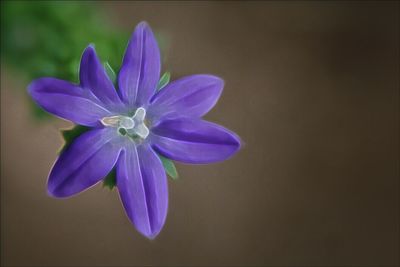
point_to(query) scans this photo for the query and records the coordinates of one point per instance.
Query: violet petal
(189, 96)
(67, 101)
(92, 76)
(84, 163)
(194, 141)
(140, 69)
(143, 189)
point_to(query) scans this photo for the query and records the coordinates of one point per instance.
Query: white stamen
(140, 114)
(142, 130)
(112, 121)
(126, 122)
(134, 124)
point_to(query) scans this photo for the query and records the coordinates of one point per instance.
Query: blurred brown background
(313, 90)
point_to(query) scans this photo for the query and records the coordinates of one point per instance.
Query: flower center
(132, 126)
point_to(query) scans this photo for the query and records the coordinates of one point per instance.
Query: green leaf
(163, 81)
(70, 135)
(169, 167)
(110, 181)
(110, 72)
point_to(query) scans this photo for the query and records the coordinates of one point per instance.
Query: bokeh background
(311, 87)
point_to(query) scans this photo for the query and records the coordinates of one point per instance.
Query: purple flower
(131, 125)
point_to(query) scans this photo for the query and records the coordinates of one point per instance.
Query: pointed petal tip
(52, 188)
(217, 78)
(37, 86)
(30, 88)
(151, 235)
(145, 230)
(236, 144)
(52, 192)
(60, 194)
(241, 143)
(89, 49)
(239, 146)
(34, 86)
(237, 141)
(222, 83)
(219, 82)
(209, 78)
(143, 24)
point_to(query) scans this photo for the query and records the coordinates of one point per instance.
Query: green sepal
(110, 72)
(164, 80)
(169, 167)
(70, 135)
(110, 181)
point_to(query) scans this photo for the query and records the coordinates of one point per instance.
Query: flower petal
(189, 96)
(85, 162)
(92, 76)
(143, 188)
(67, 101)
(194, 141)
(140, 69)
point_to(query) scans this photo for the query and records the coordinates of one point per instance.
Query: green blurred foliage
(40, 39)
(48, 38)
